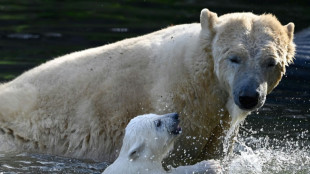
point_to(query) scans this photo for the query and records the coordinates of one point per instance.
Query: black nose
(174, 115)
(249, 101)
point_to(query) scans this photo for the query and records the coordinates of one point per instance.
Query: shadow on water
(274, 139)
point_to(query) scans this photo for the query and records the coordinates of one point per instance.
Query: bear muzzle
(175, 128)
(250, 96)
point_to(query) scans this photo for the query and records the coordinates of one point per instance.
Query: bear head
(250, 53)
(150, 137)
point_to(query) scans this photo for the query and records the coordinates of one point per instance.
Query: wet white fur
(151, 145)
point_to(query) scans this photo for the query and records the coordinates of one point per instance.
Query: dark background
(34, 31)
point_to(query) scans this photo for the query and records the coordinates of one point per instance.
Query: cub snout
(174, 116)
(174, 126)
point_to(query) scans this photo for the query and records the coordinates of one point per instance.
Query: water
(273, 140)
(272, 149)
(264, 155)
(43, 163)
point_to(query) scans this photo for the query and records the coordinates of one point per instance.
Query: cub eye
(157, 123)
(234, 59)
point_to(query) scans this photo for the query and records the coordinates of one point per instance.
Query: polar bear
(147, 140)
(214, 73)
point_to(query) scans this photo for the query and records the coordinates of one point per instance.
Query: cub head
(250, 54)
(150, 136)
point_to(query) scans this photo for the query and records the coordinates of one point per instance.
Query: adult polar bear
(213, 73)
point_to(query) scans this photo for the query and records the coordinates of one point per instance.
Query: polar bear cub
(148, 139)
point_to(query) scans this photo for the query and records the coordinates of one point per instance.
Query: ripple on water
(43, 163)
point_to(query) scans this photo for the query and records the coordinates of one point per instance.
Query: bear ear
(207, 19)
(136, 150)
(290, 30)
(291, 47)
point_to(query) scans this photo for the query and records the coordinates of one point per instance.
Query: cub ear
(136, 150)
(290, 30)
(207, 20)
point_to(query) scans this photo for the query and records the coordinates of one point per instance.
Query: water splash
(265, 155)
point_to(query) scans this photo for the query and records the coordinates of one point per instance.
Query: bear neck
(199, 95)
(201, 101)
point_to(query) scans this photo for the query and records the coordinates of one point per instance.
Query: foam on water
(264, 155)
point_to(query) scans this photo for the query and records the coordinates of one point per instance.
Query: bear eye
(157, 123)
(271, 63)
(234, 59)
